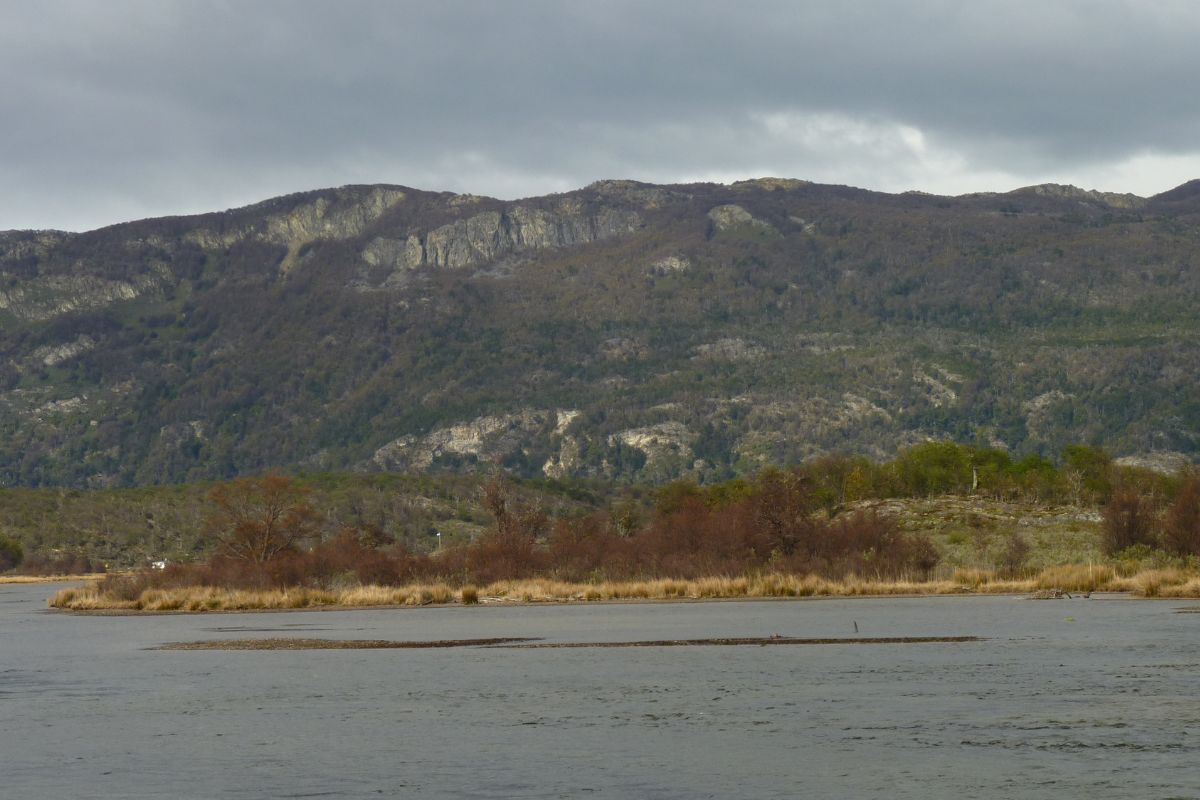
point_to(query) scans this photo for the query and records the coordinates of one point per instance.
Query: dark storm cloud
(121, 109)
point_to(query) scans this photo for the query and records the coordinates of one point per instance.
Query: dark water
(1091, 698)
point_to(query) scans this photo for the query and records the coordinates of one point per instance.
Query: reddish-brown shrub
(258, 519)
(58, 564)
(585, 547)
(1181, 533)
(744, 528)
(1128, 521)
(783, 512)
(499, 556)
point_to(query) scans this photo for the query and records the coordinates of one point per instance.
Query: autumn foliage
(1181, 531)
(773, 523)
(1135, 516)
(259, 519)
(1128, 521)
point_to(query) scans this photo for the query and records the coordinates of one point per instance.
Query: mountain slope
(624, 329)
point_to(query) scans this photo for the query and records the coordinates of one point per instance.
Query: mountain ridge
(623, 329)
(1183, 191)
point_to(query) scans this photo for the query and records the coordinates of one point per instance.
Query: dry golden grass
(1079, 578)
(974, 578)
(86, 598)
(205, 598)
(1165, 583)
(1189, 588)
(91, 576)
(1067, 578)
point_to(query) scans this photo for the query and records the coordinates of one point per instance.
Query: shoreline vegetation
(87, 576)
(940, 519)
(1053, 582)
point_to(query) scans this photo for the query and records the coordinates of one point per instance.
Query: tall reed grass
(1080, 578)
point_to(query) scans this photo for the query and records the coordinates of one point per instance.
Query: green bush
(935, 468)
(1091, 470)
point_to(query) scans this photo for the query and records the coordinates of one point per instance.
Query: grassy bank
(1072, 578)
(90, 576)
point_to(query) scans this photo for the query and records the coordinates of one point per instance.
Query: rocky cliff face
(343, 214)
(49, 296)
(492, 235)
(336, 214)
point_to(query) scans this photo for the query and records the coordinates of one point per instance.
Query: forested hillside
(624, 331)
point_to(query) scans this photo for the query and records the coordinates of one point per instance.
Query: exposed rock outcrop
(856, 408)
(50, 355)
(938, 390)
(1167, 462)
(645, 195)
(771, 435)
(396, 253)
(338, 214)
(661, 443)
(770, 184)
(730, 349)
(732, 217)
(483, 438)
(51, 295)
(15, 245)
(1066, 191)
(491, 235)
(669, 264)
(567, 460)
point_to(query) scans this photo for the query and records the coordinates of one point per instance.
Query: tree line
(809, 517)
(268, 536)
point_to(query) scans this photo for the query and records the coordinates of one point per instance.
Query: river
(1082, 698)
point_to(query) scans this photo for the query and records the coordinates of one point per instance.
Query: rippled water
(1067, 699)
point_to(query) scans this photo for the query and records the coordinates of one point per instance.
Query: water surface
(1066, 699)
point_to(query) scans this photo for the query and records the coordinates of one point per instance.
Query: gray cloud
(131, 108)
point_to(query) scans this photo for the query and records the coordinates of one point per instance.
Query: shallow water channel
(1078, 698)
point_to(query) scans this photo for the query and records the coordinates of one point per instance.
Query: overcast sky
(120, 109)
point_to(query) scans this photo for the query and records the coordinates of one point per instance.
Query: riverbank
(1066, 579)
(91, 576)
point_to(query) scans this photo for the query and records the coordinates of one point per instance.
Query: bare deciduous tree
(1182, 531)
(257, 519)
(1128, 521)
